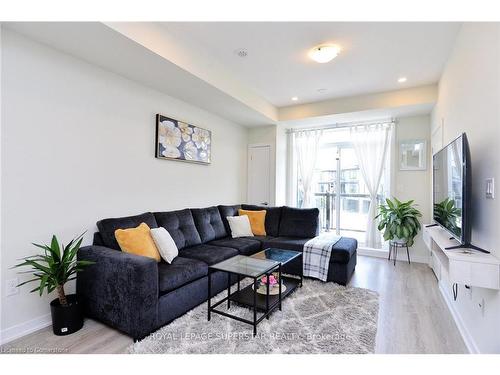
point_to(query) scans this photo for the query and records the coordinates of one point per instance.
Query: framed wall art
(413, 155)
(177, 140)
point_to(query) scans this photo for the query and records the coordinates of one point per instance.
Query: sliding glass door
(339, 190)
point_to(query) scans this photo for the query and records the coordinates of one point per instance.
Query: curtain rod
(342, 125)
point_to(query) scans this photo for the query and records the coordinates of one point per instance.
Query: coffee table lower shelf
(245, 297)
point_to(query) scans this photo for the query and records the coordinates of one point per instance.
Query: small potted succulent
(52, 269)
(399, 220)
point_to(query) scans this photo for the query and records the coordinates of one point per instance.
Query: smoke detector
(241, 52)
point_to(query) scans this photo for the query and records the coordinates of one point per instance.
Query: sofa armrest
(120, 289)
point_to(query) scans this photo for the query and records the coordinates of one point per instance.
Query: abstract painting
(177, 140)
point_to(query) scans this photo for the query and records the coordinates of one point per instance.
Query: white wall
(469, 101)
(414, 184)
(78, 145)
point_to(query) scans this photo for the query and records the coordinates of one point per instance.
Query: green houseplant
(399, 220)
(52, 270)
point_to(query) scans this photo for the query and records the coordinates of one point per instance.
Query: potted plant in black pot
(52, 269)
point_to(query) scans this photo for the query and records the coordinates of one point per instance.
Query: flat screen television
(452, 190)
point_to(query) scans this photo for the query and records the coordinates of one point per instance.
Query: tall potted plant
(52, 269)
(399, 220)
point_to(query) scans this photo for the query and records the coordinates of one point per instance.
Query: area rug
(317, 318)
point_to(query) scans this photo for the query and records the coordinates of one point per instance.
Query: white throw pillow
(165, 244)
(240, 226)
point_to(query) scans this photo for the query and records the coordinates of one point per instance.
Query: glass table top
(279, 255)
(247, 266)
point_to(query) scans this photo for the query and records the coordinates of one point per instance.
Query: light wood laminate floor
(413, 317)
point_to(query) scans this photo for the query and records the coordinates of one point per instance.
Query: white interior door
(259, 174)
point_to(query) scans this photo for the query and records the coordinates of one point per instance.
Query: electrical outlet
(11, 287)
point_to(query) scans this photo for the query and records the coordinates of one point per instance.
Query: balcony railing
(352, 215)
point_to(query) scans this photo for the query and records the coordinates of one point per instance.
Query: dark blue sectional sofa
(137, 295)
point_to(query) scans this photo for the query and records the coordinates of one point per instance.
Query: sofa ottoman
(342, 259)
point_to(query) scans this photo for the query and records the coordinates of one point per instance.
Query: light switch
(490, 188)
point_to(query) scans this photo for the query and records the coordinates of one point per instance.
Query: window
(339, 190)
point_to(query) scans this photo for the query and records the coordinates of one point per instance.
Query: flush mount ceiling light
(402, 79)
(294, 98)
(324, 53)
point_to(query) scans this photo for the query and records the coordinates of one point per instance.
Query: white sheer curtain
(371, 144)
(306, 148)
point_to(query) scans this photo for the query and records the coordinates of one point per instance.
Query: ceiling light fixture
(324, 53)
(402, 80)
(294, 98)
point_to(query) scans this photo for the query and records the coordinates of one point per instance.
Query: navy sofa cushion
(209, 223)
(299, 222)
(180, 225)
(97, 241)
(273, 217)
(261, 239)
(208, 253)
(226, 211)
(181, 271)
(245, 246)
(107, 227)
(287, 243)
(343, 250)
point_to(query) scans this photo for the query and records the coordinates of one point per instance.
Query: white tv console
(460, 266)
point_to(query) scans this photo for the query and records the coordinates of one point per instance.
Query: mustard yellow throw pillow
(257, 221)
(137, 241)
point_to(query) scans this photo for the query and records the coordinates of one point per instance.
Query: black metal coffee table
(256, 266)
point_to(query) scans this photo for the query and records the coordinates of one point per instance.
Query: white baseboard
(466, 336)
(23, 329)
(378, 253)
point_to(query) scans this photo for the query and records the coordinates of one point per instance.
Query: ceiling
(373, 57)
(101, 45)
(195, 62)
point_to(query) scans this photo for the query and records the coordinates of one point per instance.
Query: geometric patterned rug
(317, 318)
